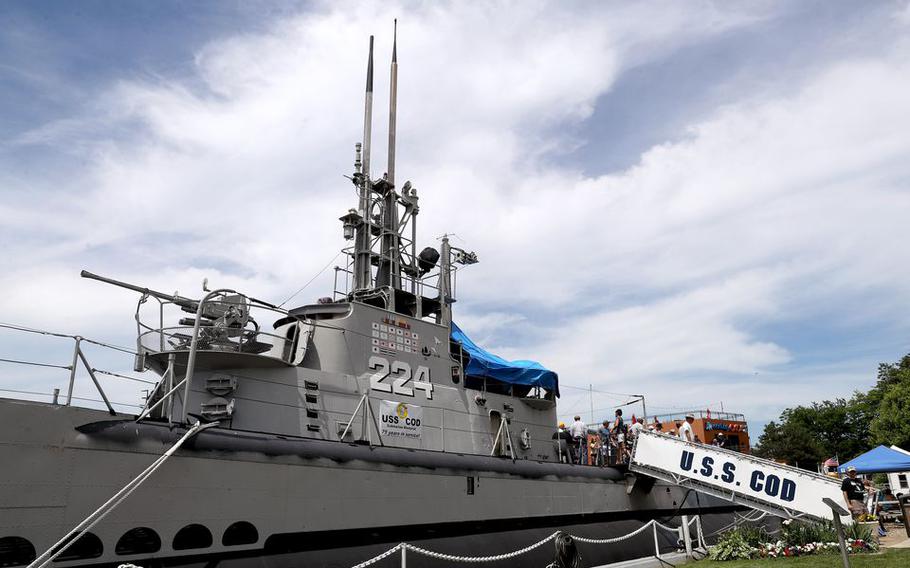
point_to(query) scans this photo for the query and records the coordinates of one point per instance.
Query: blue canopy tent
(484, 365)
(878, 460)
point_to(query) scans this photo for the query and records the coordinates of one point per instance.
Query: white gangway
(742, 479)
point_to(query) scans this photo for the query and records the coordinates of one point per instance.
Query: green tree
(790, 443)
(836, 426)
(892, 423)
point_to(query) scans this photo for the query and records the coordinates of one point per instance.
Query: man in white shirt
(685, 431)
(579, 432)
(635, 428)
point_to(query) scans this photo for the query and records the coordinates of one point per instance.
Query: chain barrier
(636, 532)
(474, 559)
(666, 528)
(376, 559)
(403, 547)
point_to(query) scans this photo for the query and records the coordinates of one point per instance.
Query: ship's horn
(393, 104)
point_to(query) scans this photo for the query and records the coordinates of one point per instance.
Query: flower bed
(796, 539)
(780, 548)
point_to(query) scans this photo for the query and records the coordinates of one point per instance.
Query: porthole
(240, 533)
(86, 546)
(16, 551)
(141, 540)
(192, 536)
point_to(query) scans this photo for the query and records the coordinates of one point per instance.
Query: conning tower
(384, 268)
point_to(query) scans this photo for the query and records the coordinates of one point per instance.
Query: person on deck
(561, 443)
(579, 432)
(606, 450)
(854, 492)
(635, 428)
(619, 436)
(685, 429)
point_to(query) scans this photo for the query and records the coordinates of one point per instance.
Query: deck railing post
(69, 390)
(686, 535)
(656, 544)
(700, 533)
(404, 556)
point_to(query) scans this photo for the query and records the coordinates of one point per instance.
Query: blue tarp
(485, 364)
(878, 460)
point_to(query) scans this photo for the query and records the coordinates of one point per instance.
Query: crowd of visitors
(611, 443)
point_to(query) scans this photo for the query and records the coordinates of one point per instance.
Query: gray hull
(321, 502)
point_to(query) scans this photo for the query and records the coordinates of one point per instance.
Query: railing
(227, 323)
(706, 414)
(419, 286)
(77, 359)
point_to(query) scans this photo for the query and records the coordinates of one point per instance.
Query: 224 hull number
(401, 378)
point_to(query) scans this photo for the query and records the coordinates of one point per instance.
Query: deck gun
(186, 304)
(231, 312)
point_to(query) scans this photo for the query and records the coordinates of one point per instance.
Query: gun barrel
(179, 300)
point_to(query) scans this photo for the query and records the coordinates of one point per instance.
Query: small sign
(400, 420)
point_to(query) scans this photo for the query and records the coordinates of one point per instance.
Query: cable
(35, 364)
(123, 376)
(302, 288)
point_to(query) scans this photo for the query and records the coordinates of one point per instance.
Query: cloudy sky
(700, 202)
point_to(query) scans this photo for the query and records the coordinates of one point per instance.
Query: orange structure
(708, 424)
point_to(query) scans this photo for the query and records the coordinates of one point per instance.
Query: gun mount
(226, 328)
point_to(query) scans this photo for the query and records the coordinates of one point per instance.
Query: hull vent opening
(86, 546)
(192, 536)
(16, 551)
(141, 540)
(240, 533)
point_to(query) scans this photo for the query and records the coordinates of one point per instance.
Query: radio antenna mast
(393, 105)
(363, 274)
(368, 114)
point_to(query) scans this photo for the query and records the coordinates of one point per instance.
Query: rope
(640, 530)
(472, 559)
(89, 522)
(478, 559)
(376, 559)
(666, 528)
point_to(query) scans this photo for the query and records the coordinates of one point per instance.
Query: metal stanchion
(687, 538)
(837, 511)
(905, 512)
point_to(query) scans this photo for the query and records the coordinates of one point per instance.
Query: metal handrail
(77, 358)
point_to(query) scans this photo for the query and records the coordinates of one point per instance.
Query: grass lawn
(891, 558)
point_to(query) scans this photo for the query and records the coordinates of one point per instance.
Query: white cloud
(774, 208)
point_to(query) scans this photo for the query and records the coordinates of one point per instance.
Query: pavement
(897, 536)
(672, 559)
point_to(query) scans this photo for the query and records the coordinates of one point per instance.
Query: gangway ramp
(742, 479)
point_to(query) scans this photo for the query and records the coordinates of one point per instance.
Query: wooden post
(837, 511)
